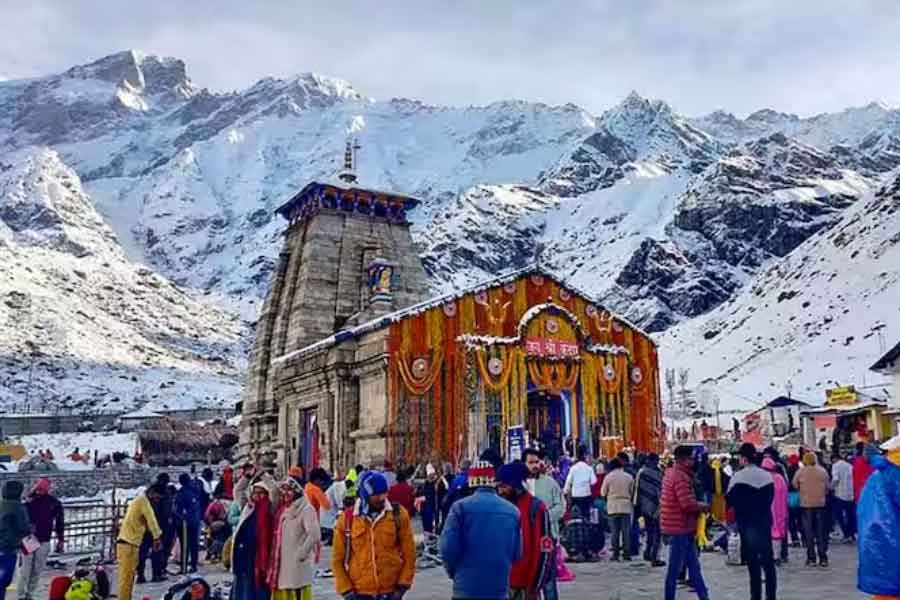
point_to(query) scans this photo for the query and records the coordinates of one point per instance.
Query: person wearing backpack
(374, 553)
(529, 574)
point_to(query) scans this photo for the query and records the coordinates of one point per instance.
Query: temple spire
(348, 173)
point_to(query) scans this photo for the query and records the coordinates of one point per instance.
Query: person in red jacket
(403, 493)
(679, 511)
(861, 471)
(530, 573)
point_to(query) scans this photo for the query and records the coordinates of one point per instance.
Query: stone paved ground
(634, 581)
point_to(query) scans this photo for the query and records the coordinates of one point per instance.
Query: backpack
(80, 589)
(348, 530)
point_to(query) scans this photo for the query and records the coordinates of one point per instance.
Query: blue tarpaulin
(878, 514)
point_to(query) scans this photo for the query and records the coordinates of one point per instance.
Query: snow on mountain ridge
(848, 127)
(107, 333)
(807, 319)
(642, 206)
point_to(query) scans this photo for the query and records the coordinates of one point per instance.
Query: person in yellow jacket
(374, 553)
(139, 519)
(720, 486)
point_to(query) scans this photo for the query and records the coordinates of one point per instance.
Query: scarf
(262, 512)
(717, 480)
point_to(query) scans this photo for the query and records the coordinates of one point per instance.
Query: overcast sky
(740, 55)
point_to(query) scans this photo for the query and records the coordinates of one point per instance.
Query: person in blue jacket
(188, 515)
(878, 518)
(481, 539)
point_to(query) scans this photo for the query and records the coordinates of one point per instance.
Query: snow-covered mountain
(669, 218)
(82, 326)
(811, 318)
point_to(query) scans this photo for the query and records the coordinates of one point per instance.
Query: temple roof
(398, 315)
(392, 203)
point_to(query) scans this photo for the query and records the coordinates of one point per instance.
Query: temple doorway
(546, 420)
(308, 440)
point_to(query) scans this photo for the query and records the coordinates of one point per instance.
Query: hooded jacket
(382, 552)
(14, 523)
(46, 515)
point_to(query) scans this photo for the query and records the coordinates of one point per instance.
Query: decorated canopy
(522, 355)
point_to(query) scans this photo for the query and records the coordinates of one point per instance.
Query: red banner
(550, 347)
(825, 421)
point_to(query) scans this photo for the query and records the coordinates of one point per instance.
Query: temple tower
(348, 257)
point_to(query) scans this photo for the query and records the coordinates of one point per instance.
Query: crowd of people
(503, 531)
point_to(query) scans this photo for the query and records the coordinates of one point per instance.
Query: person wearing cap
(750, 489)
(250, 474)
(812, 481)
(139, 519)
(647, 487)
(296, 536)
(679, 512)
(374, 553)
(14, 527)
(481, 539)
(46, 515)
(252, 545)
(531, 573)
(226, 482)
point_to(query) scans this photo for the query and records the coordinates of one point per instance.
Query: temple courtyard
(620, 581)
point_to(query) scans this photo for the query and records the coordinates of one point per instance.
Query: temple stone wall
(320, 286)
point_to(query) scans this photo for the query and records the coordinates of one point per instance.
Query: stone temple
(353, 362)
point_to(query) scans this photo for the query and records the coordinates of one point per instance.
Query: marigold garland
(501, 381)
(553, 375)
(419, 386)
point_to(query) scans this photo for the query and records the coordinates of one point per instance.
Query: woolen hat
(513, 474)
(372, 483)
(481, 474)
(293, 484)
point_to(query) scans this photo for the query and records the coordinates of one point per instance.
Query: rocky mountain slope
(812, 318)
(83, 327)
(667, 217)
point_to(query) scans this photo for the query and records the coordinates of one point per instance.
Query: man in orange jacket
(374, 553)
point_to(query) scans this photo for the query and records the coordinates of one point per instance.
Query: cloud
(741, 55)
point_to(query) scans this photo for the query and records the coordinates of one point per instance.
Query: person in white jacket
(296, 535)
(578, 484)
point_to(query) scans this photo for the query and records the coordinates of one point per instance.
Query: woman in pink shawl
(779, 502)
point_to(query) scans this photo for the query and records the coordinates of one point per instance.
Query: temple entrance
(546, 420)
(308, 440)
